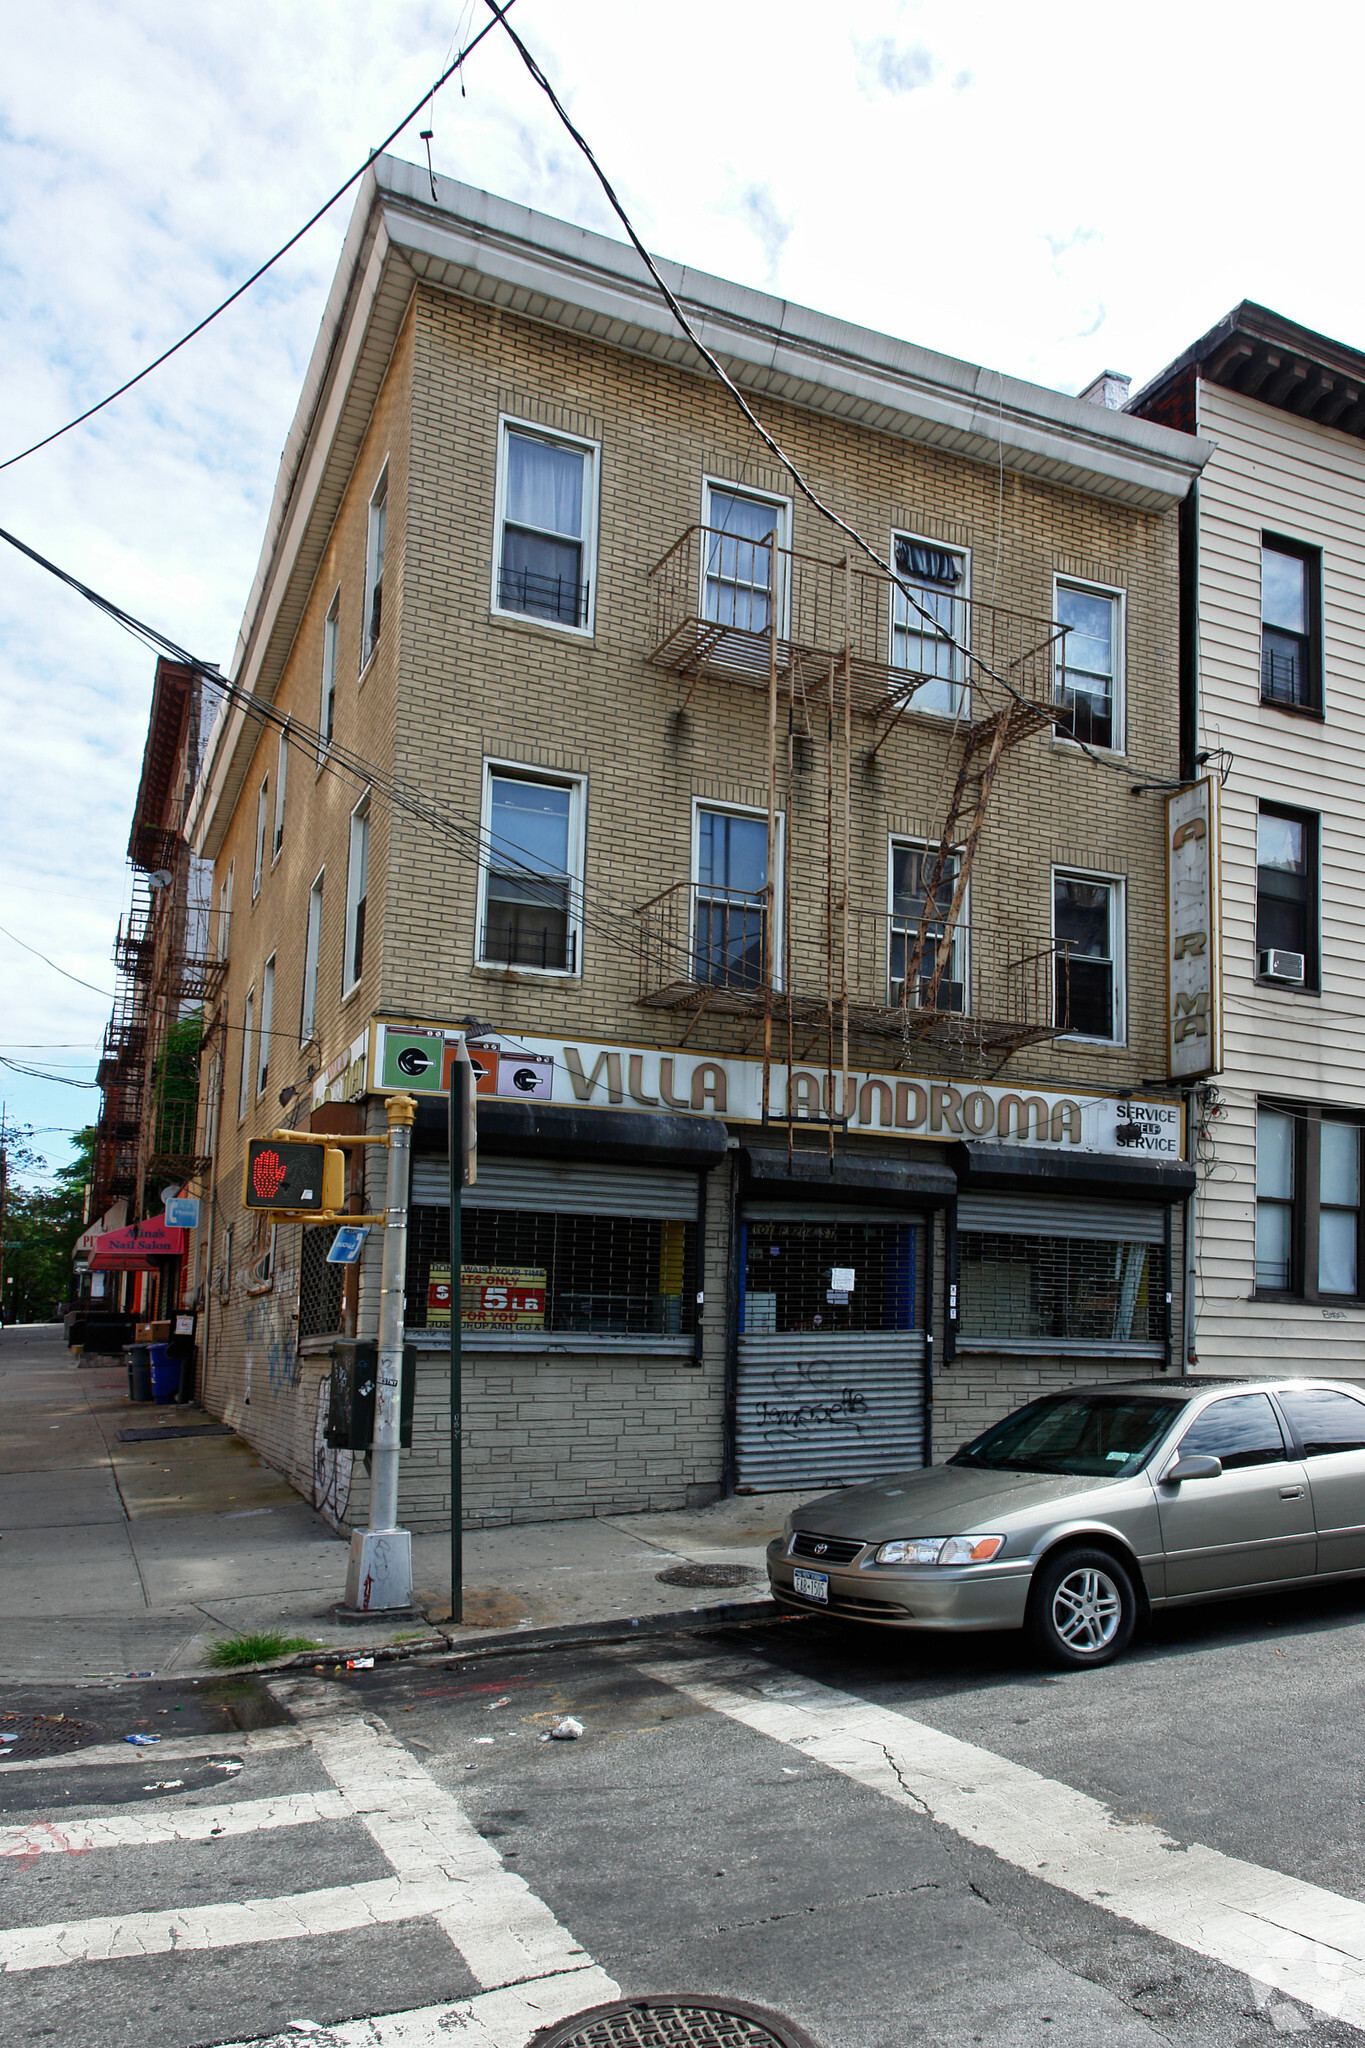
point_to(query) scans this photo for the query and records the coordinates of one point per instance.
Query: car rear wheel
(1082, 1609)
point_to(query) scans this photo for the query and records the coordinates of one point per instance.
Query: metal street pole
(379, 1570)
(461, 1170)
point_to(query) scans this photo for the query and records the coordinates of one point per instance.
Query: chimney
(1110, 388)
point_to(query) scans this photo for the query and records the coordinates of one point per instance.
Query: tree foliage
(41, 1226)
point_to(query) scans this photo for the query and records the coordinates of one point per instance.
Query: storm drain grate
(159, 1436)
(674, 2023)
(708, 1575)
(26, 1735)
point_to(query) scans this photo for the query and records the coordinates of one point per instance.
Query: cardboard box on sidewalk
(152, 1333)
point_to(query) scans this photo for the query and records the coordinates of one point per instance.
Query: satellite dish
(169, 1194)
(161, 878)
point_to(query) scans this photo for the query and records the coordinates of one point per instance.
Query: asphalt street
(889, 1841)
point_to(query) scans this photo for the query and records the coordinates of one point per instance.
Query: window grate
(791, 1267)
(559, 598)
(319, 1284)
(511, 943)
(527, 1271)
(1072, 1289)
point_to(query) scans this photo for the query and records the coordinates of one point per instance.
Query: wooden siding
(1273, 473)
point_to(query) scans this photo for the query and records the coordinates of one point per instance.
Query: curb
(513, 1641)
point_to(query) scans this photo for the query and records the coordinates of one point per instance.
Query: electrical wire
(770, 441)
(270, 262)
(107, 993)
(39, 1074)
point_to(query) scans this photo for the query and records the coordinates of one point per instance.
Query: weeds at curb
(229, 1651)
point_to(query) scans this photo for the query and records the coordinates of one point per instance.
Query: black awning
(854, 1179)
(1020, 1169)
(550, 1131)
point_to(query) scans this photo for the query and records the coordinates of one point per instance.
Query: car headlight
(940, 1550)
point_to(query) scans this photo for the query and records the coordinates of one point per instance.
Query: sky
(1049, 190)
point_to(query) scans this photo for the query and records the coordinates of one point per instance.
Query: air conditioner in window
(1277, 965)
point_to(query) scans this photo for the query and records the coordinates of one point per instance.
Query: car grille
(824, 1549)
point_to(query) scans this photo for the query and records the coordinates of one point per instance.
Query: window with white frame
(1089, 677)
(730, 899)
(357, 891)
(532, 872)
(327, 709)
(224, 912)
(744, 539)
(930, 622)
(1087, 930)
(546, 540)
(262, 828)
(267, 1020)
(248, 1044)
(938, 979)
(281, 778)
(312, 941)
(373, 615)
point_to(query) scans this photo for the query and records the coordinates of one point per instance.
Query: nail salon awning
(138, 1247)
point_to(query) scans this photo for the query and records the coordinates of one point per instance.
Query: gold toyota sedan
(1081, 1512)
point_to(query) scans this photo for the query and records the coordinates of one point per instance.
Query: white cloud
(1037, 190)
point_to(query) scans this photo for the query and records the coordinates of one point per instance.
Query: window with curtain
(267, 1023)
(1308, 1207)
(731, 900)
(248, 1037)
(909, 876)
(281, 780)
(312, 942)
(929, 622)
(357, 893)
(547, 506)
(331, 627)
(262, 827)
(374, 567)
(1088, 663)
(742, 535)
(529, 882)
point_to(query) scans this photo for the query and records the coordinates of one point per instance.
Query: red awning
(137, 1247)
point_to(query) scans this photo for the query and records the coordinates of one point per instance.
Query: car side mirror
(1192, 1468)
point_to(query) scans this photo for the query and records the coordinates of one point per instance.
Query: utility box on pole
(350, 1399)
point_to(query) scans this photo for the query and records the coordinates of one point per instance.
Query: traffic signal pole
(379, 1569)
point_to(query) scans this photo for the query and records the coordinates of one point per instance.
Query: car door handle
(1291, 1493)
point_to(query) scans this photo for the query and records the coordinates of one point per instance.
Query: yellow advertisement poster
(500, 1298)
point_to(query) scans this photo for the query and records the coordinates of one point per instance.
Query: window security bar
(1283, 680)
(517, 945)
(543, 597)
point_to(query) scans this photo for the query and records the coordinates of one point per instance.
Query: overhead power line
(269, 263)
(107, 993)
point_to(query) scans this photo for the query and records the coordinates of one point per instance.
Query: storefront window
(1068, 1289)
(527, 1272)
(831, 1276)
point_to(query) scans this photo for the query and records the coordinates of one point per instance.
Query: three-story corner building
(1272, 690)
(814, 977)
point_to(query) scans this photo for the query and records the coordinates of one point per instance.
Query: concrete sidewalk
(120, 1557)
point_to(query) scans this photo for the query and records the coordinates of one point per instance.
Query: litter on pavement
(567, 1730)
(360, 1663)
(141, 1741)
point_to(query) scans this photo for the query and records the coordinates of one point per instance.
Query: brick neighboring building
(500, 440)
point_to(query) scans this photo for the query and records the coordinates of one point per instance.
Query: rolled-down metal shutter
(816, 1411)
(570, 1186)
(1060, 1216)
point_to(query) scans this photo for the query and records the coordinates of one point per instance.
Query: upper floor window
(262, 828)
(532, 873)
(911, 867)
(1090, 662)
(1088, 931)
(730, 886)
(744, 540)
(248, 1042)
(327, 710)
(374, 567)
(225, 912)
(929, 622)
(546, 518)
(1291, 640)
(312, 941)
(1287, 897)
(1308, 1207)
(357, 894)
(281, 778)
(267, 1023)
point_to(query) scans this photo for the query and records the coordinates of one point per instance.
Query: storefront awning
(855, 1178)
(138, 1247)
(1050, 1170)
(113, 1218)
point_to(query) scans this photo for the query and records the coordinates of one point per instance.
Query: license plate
(811, 1585)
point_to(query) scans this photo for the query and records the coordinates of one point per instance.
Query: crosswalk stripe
(494, 2019)
(174, 1749)
(1306, 1942)
(185, 1824)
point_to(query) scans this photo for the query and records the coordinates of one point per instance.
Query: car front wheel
(1082, 1609)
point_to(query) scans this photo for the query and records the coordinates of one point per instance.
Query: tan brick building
(623, 762)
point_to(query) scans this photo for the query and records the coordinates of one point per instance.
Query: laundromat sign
(624, 1077)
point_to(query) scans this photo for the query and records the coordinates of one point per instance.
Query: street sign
(281, 1175)
(182, 1212)
(348, 1244)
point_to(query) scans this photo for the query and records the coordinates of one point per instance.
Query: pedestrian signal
(281, 1175)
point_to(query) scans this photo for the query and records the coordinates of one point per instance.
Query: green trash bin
(139, 1357)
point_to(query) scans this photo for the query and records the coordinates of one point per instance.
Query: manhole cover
(25, 1735)
(708, 1575)
(674, 2023)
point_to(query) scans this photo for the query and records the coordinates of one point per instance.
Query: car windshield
(1094, 1436)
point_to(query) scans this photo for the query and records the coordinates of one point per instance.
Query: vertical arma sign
(1194, 963)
